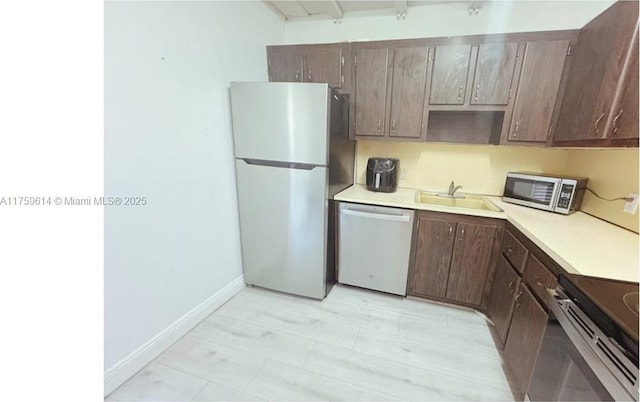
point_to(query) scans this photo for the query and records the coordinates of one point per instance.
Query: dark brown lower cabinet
(452, 257)
(502, 300)
(525, 337)
(430, 270)
(470, 262)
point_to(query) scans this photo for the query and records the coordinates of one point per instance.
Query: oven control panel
(564, 200)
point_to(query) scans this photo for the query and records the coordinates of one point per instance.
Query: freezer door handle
(384, 217)
(278, 164)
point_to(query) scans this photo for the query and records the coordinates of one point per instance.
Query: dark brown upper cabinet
(624, 124)
(457, 90)
(370, 104)
(324, 64)
(408, 88)
(309, 63)
(473, 75)
(539, 83)
(453, 257)
(494, 74)
(390, 87)
(598, 81)
(285, 64)
(450, 73)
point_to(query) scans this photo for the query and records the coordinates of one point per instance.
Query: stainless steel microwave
(561, 194)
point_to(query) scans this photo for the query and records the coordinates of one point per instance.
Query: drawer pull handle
(510, 284)
(597, 130)
(509, 249)
(516, 299)
(615, 121)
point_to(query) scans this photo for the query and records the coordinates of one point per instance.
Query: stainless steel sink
(470, 201)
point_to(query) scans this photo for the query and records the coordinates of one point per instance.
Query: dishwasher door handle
(384, 217)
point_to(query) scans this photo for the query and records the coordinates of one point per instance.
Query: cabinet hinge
(569, 50)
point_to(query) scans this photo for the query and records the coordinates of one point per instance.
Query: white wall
(448, 20)
(168, 137)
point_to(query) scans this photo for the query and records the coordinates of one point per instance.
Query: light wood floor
(354, 345)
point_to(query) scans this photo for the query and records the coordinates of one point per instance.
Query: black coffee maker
(382, 174)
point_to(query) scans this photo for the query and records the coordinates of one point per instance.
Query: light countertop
(579, 243)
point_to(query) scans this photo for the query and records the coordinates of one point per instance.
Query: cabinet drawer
(515, 252)
(538, 277)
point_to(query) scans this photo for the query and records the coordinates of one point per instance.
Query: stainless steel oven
(578, 361)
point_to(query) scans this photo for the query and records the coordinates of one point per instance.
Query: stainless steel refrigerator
(292, 155)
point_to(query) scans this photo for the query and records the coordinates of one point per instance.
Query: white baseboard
(124, 369)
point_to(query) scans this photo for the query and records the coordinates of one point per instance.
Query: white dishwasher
(374, 246)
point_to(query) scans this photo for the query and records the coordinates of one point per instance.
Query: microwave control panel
(565, 196)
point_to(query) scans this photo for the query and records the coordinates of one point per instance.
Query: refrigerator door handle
(278, 164)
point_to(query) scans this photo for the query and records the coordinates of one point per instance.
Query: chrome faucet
(453, 188)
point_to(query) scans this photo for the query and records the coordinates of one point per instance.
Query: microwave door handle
(556, 195)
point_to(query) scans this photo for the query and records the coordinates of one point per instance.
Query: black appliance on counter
(590, 348)
(382, 174)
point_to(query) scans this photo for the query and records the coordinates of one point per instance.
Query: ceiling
(332, 9)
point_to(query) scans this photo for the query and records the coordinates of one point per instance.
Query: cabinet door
(285, 65)
(595, 72)
(542, 68)
(408, 87)
(371, 91)
(494, 73)
(525, 336)
(470, 262)
(625, 118)
(449, 78)
(324, 65)
(500, 307)
(430, 271)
